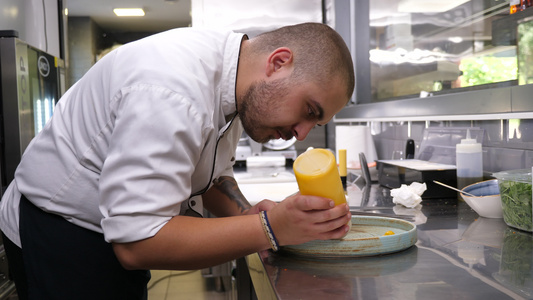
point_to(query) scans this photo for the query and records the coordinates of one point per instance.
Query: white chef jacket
(135, 137)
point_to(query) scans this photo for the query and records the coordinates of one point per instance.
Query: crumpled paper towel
(408, 195)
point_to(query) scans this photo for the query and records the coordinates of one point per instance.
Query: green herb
(516, 204)
(516, 261)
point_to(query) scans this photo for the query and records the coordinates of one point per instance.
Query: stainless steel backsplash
(507, 143)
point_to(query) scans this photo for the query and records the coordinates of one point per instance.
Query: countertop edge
(261, 282)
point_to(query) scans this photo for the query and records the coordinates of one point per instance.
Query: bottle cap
(468, 139)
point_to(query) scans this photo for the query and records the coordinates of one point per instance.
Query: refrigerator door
(29, 90)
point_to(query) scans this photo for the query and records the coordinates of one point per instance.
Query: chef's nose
(301, 130)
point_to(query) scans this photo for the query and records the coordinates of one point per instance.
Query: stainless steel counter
(459, 255)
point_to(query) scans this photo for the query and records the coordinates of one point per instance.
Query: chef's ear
(280, 59)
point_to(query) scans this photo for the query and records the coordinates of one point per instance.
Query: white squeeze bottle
(469, 161)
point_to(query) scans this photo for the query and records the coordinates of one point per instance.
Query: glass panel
(525, 52)
(422, 47)
(43, 91)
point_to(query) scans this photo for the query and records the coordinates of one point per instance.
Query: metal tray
(394, 173)
(366, 238)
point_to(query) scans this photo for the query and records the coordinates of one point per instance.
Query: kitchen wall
(507, 143)
(505, 114)
(84, 45)
(38, 22)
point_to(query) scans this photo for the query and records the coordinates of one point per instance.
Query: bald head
(320, 54)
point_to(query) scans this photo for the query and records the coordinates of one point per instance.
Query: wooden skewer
(452, 188)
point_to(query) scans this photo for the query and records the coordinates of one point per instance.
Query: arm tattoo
(228, 186)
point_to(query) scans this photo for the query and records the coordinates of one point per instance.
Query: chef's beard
(259, 103)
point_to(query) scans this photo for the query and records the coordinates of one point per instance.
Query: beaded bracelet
(268, 231)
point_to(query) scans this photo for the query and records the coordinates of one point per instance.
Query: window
(421, 47)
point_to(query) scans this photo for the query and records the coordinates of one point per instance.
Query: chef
(114, 183)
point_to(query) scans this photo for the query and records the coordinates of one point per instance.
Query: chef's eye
(311, 112)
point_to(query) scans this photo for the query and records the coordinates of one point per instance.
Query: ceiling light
(455, 39)
(129, 12)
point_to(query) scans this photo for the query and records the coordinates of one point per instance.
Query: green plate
(366, 238)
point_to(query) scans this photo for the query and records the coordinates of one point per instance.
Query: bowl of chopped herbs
(516, 194)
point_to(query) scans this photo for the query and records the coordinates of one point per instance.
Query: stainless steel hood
(256, 16)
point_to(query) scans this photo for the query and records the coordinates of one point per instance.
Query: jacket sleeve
(152, 153)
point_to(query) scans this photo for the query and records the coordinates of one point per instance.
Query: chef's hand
(263, 205)
(299, 219)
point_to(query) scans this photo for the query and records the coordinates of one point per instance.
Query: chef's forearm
(224, 198)
(187, 243)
